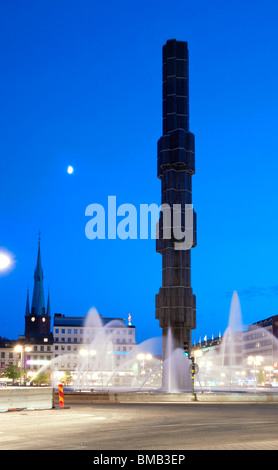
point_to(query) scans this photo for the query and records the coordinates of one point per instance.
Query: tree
(42, 378)
(12, 372)
(261, 377)
(67, 378)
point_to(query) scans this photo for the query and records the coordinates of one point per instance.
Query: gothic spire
(48, 306)
(38, 305)
(27, 309)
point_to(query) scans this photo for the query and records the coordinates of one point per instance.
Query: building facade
(63, 352)
(261, 338)
(93, 350)
(246, 357)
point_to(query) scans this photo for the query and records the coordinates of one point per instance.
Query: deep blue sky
(81, 84)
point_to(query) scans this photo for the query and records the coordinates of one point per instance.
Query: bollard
(61, 395)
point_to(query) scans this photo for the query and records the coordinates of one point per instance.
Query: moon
(5, 261)
(70, 169)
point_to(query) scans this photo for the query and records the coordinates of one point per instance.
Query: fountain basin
(160, 398)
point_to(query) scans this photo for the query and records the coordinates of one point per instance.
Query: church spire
(48, 305)
(27, 309)
(38, 321)
(38, 305)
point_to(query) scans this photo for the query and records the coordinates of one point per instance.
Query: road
(191, 426)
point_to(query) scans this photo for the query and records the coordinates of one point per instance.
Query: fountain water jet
(223, 364)
(175, 368)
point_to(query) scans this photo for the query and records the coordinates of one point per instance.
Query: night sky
(81, 85)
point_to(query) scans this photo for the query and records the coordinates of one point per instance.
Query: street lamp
(255, 361)
(21, 349)
(269, 370)
(197, 353)
(87, 353)
(142, 357)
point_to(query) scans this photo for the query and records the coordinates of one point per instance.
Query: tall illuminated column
(175, 302)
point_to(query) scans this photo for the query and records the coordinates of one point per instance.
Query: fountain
(100, 365)
(107, 363)
(175, 368)
(227, 366)
(139, 369)
(223, 365)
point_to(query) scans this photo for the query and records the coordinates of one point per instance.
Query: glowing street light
(142, 358)
(257, 360)
(197, 353)
(21, 349)
(85, 352)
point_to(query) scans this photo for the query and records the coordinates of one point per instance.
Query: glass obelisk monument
(175, 302)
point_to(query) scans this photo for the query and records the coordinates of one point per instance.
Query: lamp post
(142, 357)
(194, 369)
(21, 349)
(269, 370)
(87, 353)
(255, 361)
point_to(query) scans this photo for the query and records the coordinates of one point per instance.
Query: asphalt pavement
(181, 427)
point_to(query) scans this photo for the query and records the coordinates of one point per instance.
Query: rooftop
(63, 320)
